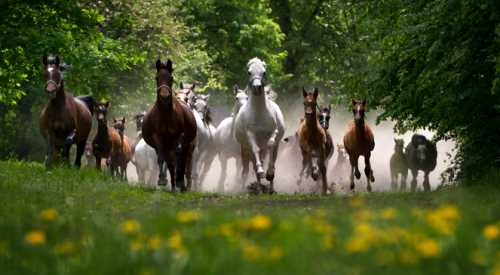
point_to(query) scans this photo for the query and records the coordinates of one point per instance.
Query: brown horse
(107, 139)
(359, 141)
(170, 128)
(65, 119)
(121, 153)
(315, 142)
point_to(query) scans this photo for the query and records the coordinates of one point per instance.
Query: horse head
(324, 116)
(54, 80)
(399, 145)
(358, 110)
(119, 124)
(256, 76)
(270, 93)
(164, 81)
(187, 94)
(240, 98)
(101, 111)
(201, 105)
(310, 101)
(139, 119)
(420, 144)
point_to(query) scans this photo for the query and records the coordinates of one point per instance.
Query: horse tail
(89, 102)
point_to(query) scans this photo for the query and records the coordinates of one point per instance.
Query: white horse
(259, 127)
(144, 159)
(204, 150)
(225, 142)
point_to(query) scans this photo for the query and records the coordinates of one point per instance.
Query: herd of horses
(177, 135)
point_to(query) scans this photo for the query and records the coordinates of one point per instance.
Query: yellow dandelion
(48, 214)
(449, 212)
(175, 241)
(251, 252)
(363, 215)
(66, 247)
(428, 248)
(135, 245)
(357, 244)
(130, 226)
(154, 242)
(275, 253)
(496, 269)
(187, 216)
(388, 213)
(491, 231)
(35, 237)
(260, 223)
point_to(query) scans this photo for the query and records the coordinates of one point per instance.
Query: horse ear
(315, 92)
(354, 102)
(363, 101)
(158, 64)
(181, 85)
(106, 104)
(45, 60)
(329, 107)
(304, 92)
(114, 120)
(123, 119)
(194, 86)
(235, 89)
(57, 60)
(169, 66)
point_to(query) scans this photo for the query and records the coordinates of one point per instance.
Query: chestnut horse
(122, 154)
(65, 119)
(170, 128)
(359, 141)
(315, 142)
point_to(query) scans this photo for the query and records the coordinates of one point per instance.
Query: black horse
(421, 154)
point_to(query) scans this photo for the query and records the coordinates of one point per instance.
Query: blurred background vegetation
(423, 63)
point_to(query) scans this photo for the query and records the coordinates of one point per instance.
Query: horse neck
(360, 129)
(311, 121)
(102, 131)
(60, 98)
(257, 102)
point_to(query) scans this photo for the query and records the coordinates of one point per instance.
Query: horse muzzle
(51, 87)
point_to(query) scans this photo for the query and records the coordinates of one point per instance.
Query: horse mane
(208, 116)
(256, 60)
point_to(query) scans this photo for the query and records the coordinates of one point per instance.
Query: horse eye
(249, 73)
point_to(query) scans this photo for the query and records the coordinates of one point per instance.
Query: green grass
(382, 233)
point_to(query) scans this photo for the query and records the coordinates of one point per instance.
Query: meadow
(65, 221)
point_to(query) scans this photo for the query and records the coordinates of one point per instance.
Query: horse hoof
(369, 188)
(352, 186)
(372, 178)
(315, 176)
(357, 174)
(162, 183)
(269, 176)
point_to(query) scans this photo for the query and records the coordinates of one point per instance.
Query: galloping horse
(398, 165)
(315, 142)
(121, 155)
(225, 142)
(259, 126)
(65, 119)
(421, 154)
(144, 159)
(359, 141)
(170, 128)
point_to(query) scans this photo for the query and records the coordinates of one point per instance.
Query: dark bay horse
(65, 119)
(315, 142)
(398, 165)
(359, 141)
(421, 154)
(121, 154)
(107, 139)
(170, 128)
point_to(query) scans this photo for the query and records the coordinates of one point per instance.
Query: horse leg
(80, 149)
(354, 170)
(209, 159)
(259, 170)
(394, 179)
(140, 174)
(189, 166)
(414, 173)
(195, 167)
(427, 186)
(66, 150)
(271, 167)
(322, 170)
(404, 175)
(182, 157)
(162, 177)
(368, 173)
(245, 162)
(98, 162)
(223, 171)
(50, 152)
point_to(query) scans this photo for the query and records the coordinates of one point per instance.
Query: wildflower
(130, 226)
(428, 248)
(251, 252)
(443, 219)
(491, 231)
(357, 244)
(275, 253)
(260, 223)
(496, 269)
(66, 247)
(388, 213)
(187, 216)
(175, 241)
(35, 237)
(154, 243)
(48, 214)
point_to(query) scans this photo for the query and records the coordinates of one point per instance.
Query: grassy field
(81, 222)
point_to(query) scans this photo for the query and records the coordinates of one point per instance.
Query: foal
(398, 165)
(315, 142)
(359, 141)
(122, 154)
